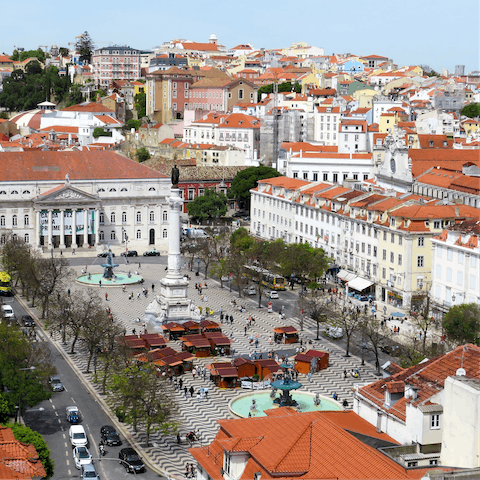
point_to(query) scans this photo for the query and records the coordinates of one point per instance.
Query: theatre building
(82, 199)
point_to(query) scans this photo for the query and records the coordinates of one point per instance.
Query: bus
(269, 279)
(5, 284)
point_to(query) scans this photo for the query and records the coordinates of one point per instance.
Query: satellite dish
(461, 372)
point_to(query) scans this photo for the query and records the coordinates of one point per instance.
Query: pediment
(66, 194)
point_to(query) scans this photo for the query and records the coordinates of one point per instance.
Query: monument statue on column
(172, 304)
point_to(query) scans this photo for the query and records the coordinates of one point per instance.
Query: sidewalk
(166, 455)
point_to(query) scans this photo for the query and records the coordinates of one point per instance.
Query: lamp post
(19, 414)
(198, 266)
(125, 237)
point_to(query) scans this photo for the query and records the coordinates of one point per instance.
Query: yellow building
(364, 97)
(471, 126)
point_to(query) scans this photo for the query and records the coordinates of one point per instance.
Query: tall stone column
(175, 203)
(38, 229)
(50, 228)
(96, 226)
(62, 228)
(85, 227)
(74, 228)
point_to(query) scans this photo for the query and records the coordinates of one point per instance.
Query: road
(52, 424)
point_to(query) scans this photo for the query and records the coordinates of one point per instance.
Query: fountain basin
(240, 406)
(120, 280)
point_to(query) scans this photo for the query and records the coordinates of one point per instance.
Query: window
(449, 253)
(101, 217)
(400, 240)
(151, 189)
(139, 217)
(384, 236)
(392, 238)
(295, 174)
(26, 221)
(420, 261)
(412, 464)
(335, 177)
(460, 258)
(384, 273)
(315, 177)
(165, 216)
(164, 233)
(435, 421)
(421, 241)
(433, 462)
(392, 257)
(124, 217)
(112, 217)
(305, 175)
(384, 254)
(2, 221)
(325, 177)
(112, 235)
(151, 216)
(14, 220)
(101, 235)
(400, 259)
(26, 238)
(374, 251)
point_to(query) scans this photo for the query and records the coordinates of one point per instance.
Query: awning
(359, 284)
(346, 276)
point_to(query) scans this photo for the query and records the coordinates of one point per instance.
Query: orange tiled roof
(285, 182)
(88, 107)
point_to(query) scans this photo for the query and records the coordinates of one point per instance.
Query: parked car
(88, 471)
(27, 321)
(105, 254)
(77, 436)
(7, 312)
(152, 253)
(81, 456)
(129, 253)
(250, 290)
(73, 415)
(271, 294)
(110, 436)
(131, 460)
(239, 214)
(334, 332)
(56, 384)
(393, 350)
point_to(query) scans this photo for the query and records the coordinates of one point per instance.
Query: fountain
(255, 404)
(109, 266)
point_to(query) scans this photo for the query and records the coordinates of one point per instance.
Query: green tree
(26, 435)
(472, 110)
(247, 179)
(423, 321)
(282, 87)
(85, 46)
(140, 102)
(132, 123)
(349, 320)
(210, 205)
(374, 336)
(20, 57)
(142, 154)
(461, 323)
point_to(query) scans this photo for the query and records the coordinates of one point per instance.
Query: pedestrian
(134, 332)
(99, 283)
(199, 396)
(194, 372)
(345, 403)
(206, 392)
(138, 295)
(185, 390)
(192, 391)
(335, 396)
(73, 251)
(180, 383)
(192, 470)
(231, 319)
(201, 392)
(187, 470)
(221, 317)
(139, 265)
(245, 331)
(153, 287)
(106, 297)
(344, 374)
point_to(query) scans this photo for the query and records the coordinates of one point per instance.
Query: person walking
(106, 297)
(153, 287)
(180, 383)
(194, 372)
(309, 377)
(206, 392)
(185, 390)
(192, 391)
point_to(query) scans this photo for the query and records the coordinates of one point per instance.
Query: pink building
(115, 63)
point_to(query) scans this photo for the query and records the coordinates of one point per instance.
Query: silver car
(88, 471)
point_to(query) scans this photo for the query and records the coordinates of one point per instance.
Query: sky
(410, 32)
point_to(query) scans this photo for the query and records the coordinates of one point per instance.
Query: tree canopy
(461, 323)
(210, 205)
(472, 110)
(85, 46)
(282, 87)
(21, 56)
(140, 100)
(247, 179)
(142, 154)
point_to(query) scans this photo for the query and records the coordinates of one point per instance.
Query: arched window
(3, 192)
(112, 235)
(101, 190)
(3, 239)
(112, 217)
(101, 218)
(26, 221)
(139, 234)
(113, 190)
(14, 220)
(152, 216)
(124, 190)
(165, 216)
(124, 217)
(27, 238)
(165, 233)
(152, 189)
(101, 235)
(139, 217)
(14, 192)
(26, 192)
(2, 221)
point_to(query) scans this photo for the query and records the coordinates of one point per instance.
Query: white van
(78, 436)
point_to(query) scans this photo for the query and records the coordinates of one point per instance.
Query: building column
(62, 228)
(74, 228)
(85, 228)
(50, 228)
(37, 229)
(96, 226)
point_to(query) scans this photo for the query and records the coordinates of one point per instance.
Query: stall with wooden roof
(245, 367)
(187, 358)
(285, 335)
(153, 340)
(219, 341)
(173, 330)
(135, 344)
(265, 368)
(224, 374)
(192, 328)
(315, 358)
(210, 326)
(197, 344)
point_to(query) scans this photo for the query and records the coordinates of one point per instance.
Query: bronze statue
(175, 176)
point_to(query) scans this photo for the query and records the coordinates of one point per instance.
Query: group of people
(355, 373)
(190, 470)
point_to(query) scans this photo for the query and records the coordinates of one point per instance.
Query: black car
(393, 350)
(110, 436)
(130, 253)
(151, 253)
(131, 460)
(239, 214)
(28, 321)
(105, 254)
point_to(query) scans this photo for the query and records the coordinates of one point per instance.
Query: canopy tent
(359, 284)
(346, 276)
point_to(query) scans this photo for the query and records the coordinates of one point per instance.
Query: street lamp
(198, 266)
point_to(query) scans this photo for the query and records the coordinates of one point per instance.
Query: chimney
(379, 421)
(457, 212)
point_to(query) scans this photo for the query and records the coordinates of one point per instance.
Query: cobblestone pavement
(201, 415)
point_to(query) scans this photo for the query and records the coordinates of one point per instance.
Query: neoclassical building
(82, 199)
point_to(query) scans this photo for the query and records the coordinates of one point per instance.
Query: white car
(7, 312)
(250, 291)
(77, 435)
(334, 332)
(81, 456)
(272, 294)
